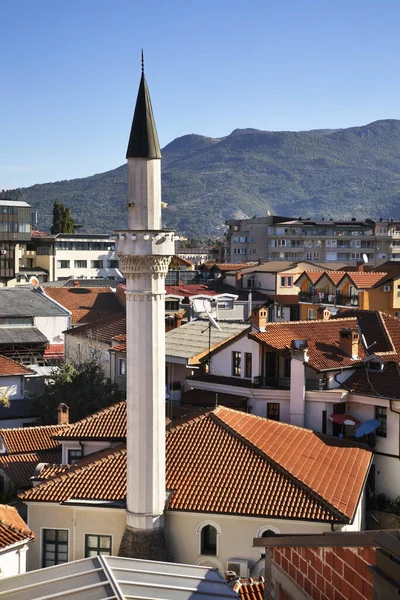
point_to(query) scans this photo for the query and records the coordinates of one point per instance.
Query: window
(74, 455)
(283, 281)
(55, 547)
(311, 314)
(208, 544)
(80, 264)
(113, 264)
(16, 322)
(279, 312)
(97, 544)
(273, 411)
(236, 363)
(172, 305)
(381, 414)
(63, 264)
(97, 264)
(248, 364)
(382, 230)
(122, 367)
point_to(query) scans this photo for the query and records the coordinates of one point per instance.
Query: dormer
(373, 362)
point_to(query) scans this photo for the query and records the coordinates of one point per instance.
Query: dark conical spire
(143, 141)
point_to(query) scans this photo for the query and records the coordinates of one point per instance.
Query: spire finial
(142, 62)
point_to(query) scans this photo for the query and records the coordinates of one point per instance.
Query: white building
(15, 536)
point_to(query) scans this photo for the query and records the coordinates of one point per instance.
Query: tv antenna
(365, 342)
(212, 323)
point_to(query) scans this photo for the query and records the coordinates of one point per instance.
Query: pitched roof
(290, 472)
(13, 528)
(12, 367)
(378, 384)
(143, 140)
(106, 424)
(27, 302)
(381, 332)
(252, 588)
(365, 280)
(323, 339)
(103, 330)
(192, 341)
(22, 335)
(19, 468)
(284, 299)
(231, 266)
(86, 304)
(190, 289)
(21, 440)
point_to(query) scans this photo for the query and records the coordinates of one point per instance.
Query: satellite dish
(213, 321)
(365, 258)
(34, 281)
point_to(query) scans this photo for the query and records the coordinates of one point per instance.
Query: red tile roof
(250, 589)
(323, 339)
(189, 290)
(365, 280)
(106, 424)
(19, 468)
(12, 367)
(381, 332)
(227, 461)
(103, 330)
(86, 304)
(378, 384)
(285, 300)
(22, 440)
(54, 351)
(13, 528)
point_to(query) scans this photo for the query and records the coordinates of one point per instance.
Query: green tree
(81, 384)
(62, 220)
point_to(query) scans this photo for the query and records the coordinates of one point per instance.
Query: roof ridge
(32, 427)
(97, 414)
(330, 507)
(311, 323)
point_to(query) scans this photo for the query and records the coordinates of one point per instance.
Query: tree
(81, 384)
(62, 220)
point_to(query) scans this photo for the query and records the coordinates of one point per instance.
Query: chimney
(76, 283)
(238, 280)
(259, 317)
(297, 397)
(63, 414)
(360, 266)
(178, 319)
(349, 340)
(323, 313)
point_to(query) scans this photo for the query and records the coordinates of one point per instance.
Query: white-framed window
(63, 264)
(122, 367)
(54, 547)
(80, 264)
(97, 264)
(311, 314)
(97, 544)
(279, 312)
(73, 455)
(208, 533)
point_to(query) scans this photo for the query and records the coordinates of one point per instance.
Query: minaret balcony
(145, 243)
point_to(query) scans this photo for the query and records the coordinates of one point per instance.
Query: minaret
(144, 252)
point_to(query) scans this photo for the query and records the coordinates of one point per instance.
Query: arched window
(208, 542)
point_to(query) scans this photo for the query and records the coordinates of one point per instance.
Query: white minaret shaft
(144, 252)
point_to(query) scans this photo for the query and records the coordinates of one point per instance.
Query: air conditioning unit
(386, 288)
(240, 566)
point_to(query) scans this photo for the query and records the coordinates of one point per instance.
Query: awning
(343, 419)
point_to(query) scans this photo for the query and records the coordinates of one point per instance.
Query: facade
(15, 232)
(64, 256)
(247, 239)
(322, 240)
(15, 538)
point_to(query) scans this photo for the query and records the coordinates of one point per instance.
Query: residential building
(15, 232)
(69, 255)
(324, 240)
(16, 410)
(15, 538)
(248, 238)
(32, 326)
(211, 518)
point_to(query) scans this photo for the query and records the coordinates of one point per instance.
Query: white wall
(221, 362)
(53, 327)
(88, 255)
(13, 561)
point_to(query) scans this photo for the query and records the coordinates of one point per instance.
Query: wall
(13, 562)
(266, 281)
(75, 345)
(53, 327)
(78, 520)
(235, 539)
(325, 573)
(88, 272)
(12, 387)
(221, 362)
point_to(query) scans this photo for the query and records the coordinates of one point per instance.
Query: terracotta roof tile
(106, 424)
(103, 330)
(189, 290)
(54, 351)
(365, 280)
(12, 367)
(279, 470)
(250, 589)
(30, 439)
(379, 384)
(381, 332)
(19, 468)
(285, 299)
(323, 339)
(86, 304)
(13, 528)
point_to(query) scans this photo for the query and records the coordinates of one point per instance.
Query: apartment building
(65, 255)
(328, 241)
(15, 229)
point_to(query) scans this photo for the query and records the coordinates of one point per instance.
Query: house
(15, 538)
(86, 304)
(212, 516)
(16, 409)
(307, 372)
(31, 326)
(100, 575)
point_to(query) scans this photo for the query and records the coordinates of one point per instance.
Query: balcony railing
(328, 298)
(283, 383)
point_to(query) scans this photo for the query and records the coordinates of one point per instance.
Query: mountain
(332, 173)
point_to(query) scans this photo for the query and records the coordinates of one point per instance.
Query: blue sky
(70, 72)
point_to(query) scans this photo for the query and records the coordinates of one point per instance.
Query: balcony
(330, 299)
(283, 383)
